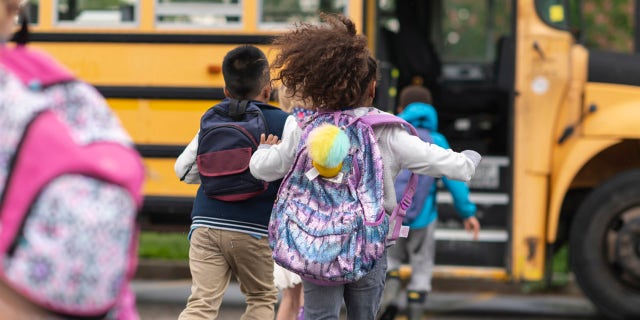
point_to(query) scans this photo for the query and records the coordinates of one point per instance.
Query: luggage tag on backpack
(336, 179)
(312, 173)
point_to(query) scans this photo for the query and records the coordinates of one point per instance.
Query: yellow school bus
(556, 120)
(159, 65)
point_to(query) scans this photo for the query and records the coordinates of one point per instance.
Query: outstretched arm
(460, 192)
(274, 158)
(426, 158)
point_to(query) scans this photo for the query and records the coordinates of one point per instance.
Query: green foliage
(471, 28)
(560, 274)
(164, 246)
(608, 24)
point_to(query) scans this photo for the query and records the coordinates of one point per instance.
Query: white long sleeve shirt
(398, 148)
(185, 166)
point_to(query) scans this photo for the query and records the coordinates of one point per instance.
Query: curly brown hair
(328, 65)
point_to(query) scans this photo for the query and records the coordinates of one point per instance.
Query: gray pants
(362, 298)
(418, 249)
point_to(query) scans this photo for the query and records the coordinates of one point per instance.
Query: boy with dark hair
(230, 237)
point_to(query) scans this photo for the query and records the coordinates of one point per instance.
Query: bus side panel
(153, 64)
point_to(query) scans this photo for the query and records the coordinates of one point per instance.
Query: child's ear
(266, 93)
(372, 89)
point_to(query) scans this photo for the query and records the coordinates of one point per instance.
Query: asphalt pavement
(164, 299)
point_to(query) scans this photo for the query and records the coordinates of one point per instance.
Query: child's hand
(473, 156)
(271, 139)
(472, 225)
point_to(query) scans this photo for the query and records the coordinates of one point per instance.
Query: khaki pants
(214, 255)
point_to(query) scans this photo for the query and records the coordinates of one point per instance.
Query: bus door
(463, 51)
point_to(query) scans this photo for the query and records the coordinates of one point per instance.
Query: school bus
(556, 119)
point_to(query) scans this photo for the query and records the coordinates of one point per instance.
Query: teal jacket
(422, 115)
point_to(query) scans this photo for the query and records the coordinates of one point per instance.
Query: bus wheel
(604, 246)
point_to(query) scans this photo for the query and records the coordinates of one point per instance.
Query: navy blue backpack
(425, 183)
(229, 134)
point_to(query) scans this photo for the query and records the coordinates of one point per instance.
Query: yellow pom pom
(327, 172)
(328, 145)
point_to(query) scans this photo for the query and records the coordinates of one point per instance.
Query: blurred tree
(608, 24)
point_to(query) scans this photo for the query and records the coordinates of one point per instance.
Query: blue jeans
(362, 297)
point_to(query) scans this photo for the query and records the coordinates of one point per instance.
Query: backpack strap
(237, 108)
(33, 67)
(398, 214)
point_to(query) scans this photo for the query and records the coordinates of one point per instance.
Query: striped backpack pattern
(69, 180)
(334, 230)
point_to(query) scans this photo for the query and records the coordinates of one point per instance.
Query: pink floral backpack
(70, 191)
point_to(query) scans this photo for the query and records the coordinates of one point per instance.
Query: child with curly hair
(330, 66)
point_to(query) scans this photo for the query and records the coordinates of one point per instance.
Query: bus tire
(608, 217)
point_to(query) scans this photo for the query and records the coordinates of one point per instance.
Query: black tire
(607, 216)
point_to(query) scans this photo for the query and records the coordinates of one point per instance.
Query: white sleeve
(272, 162)
(427, 158)
(186, 167)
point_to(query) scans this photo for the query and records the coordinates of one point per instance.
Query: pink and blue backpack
(334, 230)
(70, 191)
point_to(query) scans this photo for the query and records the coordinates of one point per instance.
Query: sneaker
(389, 312)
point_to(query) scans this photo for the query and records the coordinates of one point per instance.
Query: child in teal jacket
(419, 248)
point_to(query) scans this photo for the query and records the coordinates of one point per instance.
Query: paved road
(163, 300)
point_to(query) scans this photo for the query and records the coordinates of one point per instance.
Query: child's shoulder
(439, 139)
(267, 108)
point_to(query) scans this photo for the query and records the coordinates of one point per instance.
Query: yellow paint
(45, 17)
(542, 80)
(577, 153)
(170, 65)
(161, 179)
(617, 110)
(459, 272)
(147, 15)
(250, 15)
(170, 122)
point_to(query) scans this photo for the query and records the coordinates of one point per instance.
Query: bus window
(281, 13)
(97, 13)
(561, 14)
(32, 11)
(199, 13)
(471, 29)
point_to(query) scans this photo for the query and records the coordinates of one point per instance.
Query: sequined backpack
(334, 230)
(70, 191)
